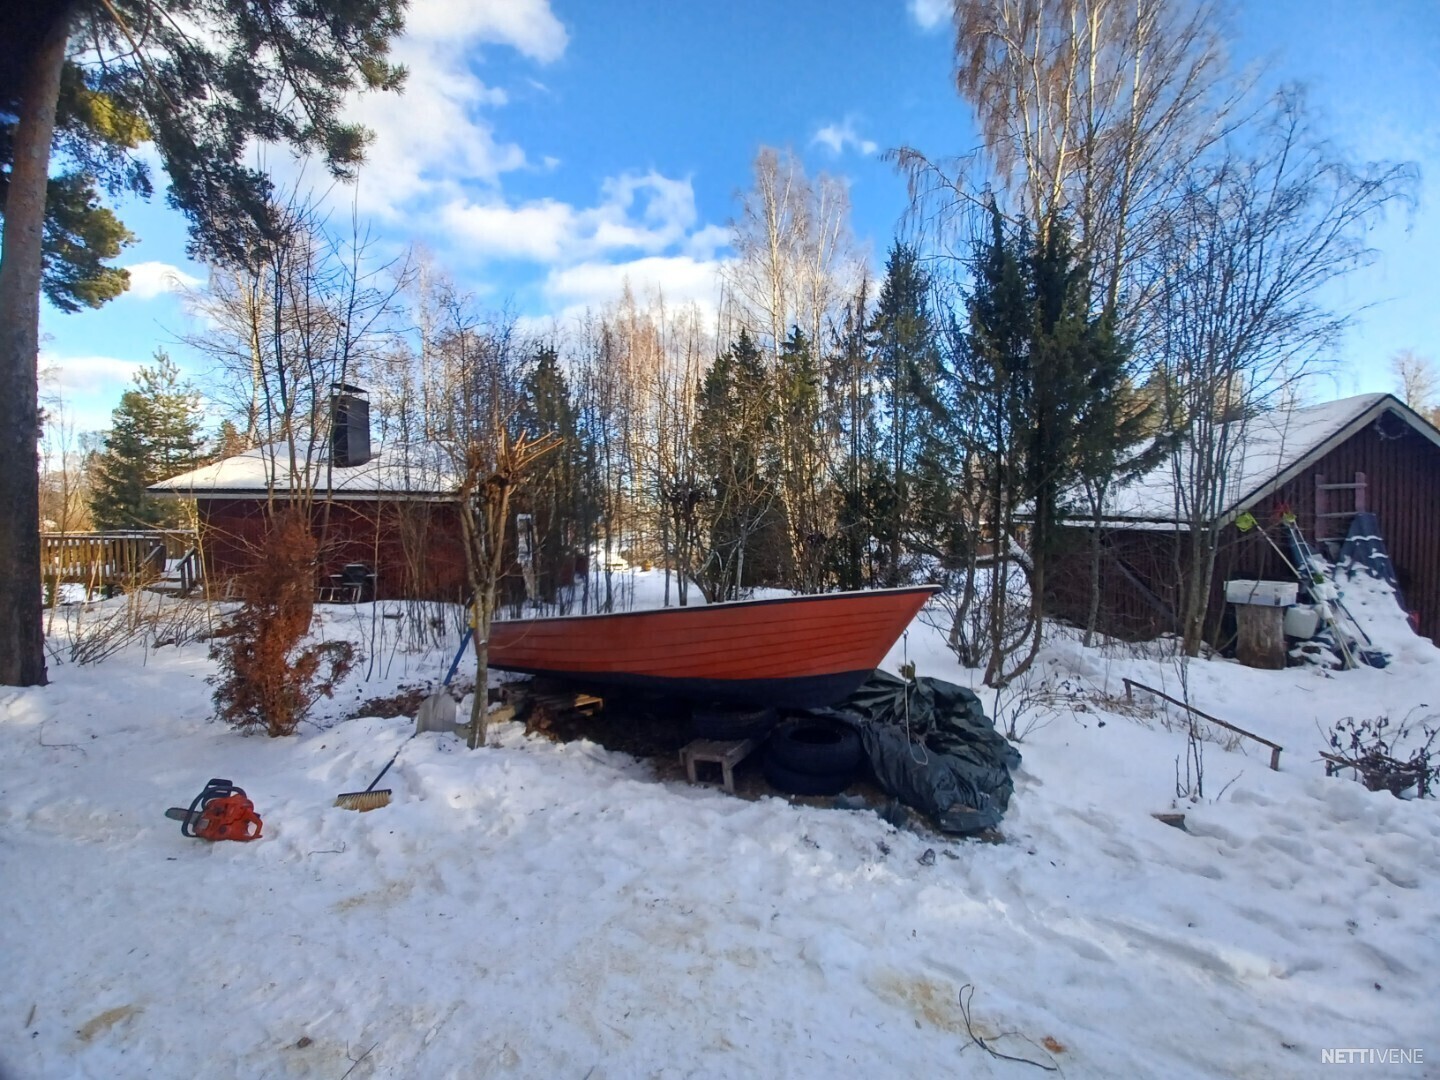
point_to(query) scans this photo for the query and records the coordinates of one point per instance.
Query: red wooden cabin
(387, 522)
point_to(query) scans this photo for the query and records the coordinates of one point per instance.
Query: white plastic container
(1261, 593)
(1301, 621)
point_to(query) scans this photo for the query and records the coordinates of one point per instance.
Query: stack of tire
(731, 722)
(812, 755)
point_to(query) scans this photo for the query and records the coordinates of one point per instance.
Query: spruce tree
(850, 402)
(735, 437)
(560, 492)
(906, 362)
(801, 451)
(154, 435)
(1042, 375)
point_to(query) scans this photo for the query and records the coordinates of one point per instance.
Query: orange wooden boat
(796, 652)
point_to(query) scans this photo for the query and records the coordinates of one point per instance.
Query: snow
(542, 909)
(1272, 443)
(414, 470)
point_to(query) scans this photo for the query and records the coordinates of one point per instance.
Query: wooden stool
(727, 753)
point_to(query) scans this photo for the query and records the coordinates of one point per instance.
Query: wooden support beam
(1131, 686)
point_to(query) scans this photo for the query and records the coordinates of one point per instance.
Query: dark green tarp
(931, 746)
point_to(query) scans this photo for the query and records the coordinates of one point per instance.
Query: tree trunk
(1260, 642)
(1092, 615)
(1197, 595)
(22, 643)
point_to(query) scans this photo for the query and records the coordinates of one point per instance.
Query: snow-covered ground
(544, 910)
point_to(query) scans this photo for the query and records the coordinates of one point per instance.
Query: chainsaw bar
(179, 813)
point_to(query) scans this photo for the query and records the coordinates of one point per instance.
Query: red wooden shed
(1323, 464)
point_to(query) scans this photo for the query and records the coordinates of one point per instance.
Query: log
(1261, 641)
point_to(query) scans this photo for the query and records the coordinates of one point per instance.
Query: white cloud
(438, 163)
(79, 392)
(537, 231)
(87, 373)
(930, 14)
(679, 278)
(435, 136)
(842, 136)
(644, 212)
(528, 26)
(703, 243)
(151, 279)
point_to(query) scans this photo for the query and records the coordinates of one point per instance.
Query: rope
(908, 670)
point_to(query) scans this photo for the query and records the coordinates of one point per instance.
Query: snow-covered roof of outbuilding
(1274, 447)
(419, 471)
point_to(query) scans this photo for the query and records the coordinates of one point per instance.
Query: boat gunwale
(722, 605)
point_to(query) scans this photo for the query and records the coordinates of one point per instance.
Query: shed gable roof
(1275, 448)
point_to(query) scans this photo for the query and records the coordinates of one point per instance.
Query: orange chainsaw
(220, 812)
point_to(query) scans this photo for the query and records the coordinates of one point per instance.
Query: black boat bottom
(806, 692)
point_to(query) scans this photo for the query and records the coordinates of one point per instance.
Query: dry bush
(146, 619)
(1372, 749)
(266, 680)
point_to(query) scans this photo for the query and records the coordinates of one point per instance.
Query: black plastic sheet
(931, 746)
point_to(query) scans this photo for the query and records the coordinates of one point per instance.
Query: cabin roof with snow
(416, 472)
(1274, 448)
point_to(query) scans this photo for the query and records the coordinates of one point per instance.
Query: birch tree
(1418, 381)
(793, 270)
(1094, 109)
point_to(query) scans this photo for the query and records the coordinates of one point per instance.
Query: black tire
(718, 722)
(815, 746)
(791, 782)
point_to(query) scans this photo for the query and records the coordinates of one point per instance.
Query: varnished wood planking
(802, 635)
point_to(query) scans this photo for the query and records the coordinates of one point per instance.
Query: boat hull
(795, 652)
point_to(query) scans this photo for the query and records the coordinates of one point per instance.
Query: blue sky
(547, 150)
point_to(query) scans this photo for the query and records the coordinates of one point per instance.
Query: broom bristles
(363, 800)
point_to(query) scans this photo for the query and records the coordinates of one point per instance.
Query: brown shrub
(265, 679)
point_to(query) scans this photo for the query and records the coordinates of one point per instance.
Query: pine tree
(95, 135)
(203, 83)
(229, 441)
(154, 434)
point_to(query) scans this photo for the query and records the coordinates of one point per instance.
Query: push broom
(370, 798)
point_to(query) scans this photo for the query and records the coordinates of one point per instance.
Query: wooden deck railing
(1131, 686)
(98, 560)
(189, 570)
